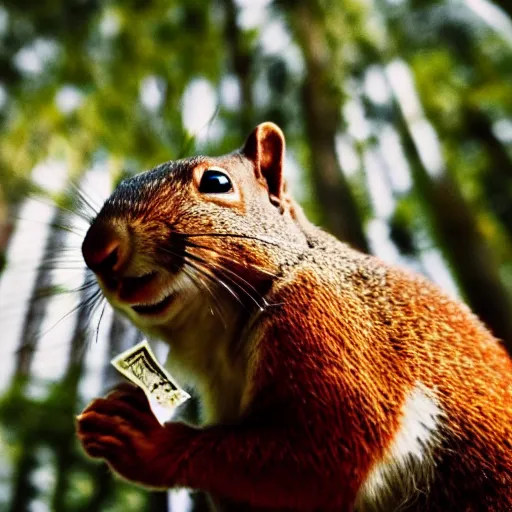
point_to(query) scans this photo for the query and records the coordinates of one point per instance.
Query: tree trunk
(241, 64)
(103, 487)
(65, 455)
(497, 181)
(23, 490)
(38, 304)
(322, 111)
(456, 229)
(6, 229)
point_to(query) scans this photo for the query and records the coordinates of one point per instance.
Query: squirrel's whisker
(55, 204)
(89, 304)
(253, 267)
(203, 285)
(55, 290)
(223, 269)
(46, 264)
(212, 268)
(68, 229)
(85, 198)
(233, 235)
(54, 225)
(215, 279)
(90, 310)
(211, 278)
(54, 266)
(99, 321)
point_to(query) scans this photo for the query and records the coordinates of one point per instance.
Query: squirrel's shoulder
(331, 272)
(331, 265)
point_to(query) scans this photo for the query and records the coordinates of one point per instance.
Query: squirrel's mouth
(149, 295)
(156, 308)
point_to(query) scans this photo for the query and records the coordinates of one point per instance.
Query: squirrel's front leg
(122, 430)
(260, 466)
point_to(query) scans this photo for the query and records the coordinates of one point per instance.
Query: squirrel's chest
(221, 398)
(220, 384)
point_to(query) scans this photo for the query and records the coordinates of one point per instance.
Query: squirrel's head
(178, 235)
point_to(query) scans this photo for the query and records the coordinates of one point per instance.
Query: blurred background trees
(398, 121)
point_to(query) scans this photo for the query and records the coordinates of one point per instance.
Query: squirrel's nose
(106, 249)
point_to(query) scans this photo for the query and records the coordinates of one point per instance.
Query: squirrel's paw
(122, 430)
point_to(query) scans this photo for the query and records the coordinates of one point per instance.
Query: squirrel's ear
(265, 147)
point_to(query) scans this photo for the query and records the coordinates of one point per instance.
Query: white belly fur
(408, 467)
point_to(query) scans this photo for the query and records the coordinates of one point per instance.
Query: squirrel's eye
(215, 182)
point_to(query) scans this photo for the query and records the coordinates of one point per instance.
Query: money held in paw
(140, 366)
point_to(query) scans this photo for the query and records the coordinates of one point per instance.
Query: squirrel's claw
(122, 430)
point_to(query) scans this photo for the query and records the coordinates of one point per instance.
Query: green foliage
(101, 55)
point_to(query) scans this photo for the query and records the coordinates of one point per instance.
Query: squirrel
(328, 380)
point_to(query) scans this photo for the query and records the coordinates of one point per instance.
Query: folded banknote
(139, 365)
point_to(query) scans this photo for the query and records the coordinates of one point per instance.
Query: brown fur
(303, 385)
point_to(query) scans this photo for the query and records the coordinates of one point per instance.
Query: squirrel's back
(392, 332)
